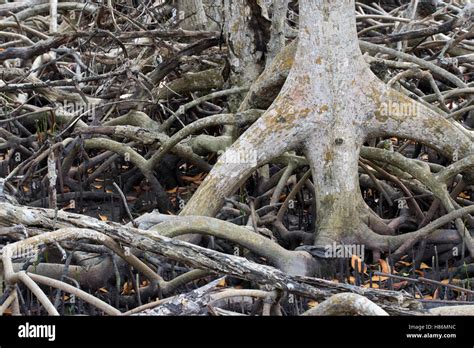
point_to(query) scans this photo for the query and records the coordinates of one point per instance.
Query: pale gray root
(292, 262)
(130, 154)
(90, 277)
(9, 301)
(346, 304)
(375, 241)
(437, 184)
(201, 81)
(256, 147)
(147, 137)
(398, 115)
(23, 277)
(204, 144)
(134, 118)
(72, 234)
(101, 305)
(239, 119)
(461, 310)
(229, 293)
(47, 274)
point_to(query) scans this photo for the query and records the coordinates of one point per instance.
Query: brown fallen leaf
(374, 286)
(197, 179)
(356, 264)
(424, 266)
(173, 190)
(385, 266)
(103, 218)
(404, 263)
(379, 278)
(400, 285)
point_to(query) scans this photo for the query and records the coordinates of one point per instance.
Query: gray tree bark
(330, 104)
(191, 14)
(247, 35)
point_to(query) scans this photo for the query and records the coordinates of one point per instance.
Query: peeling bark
(247, 34)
